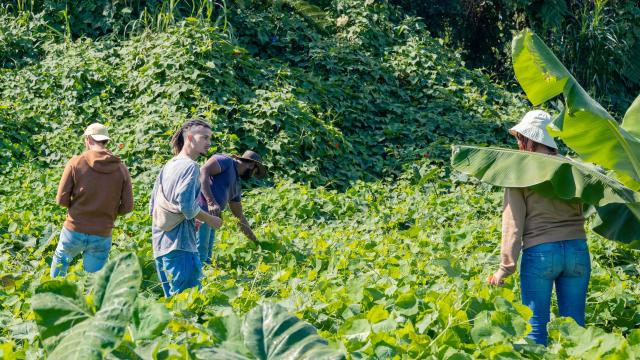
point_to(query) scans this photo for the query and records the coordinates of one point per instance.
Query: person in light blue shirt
(221, 186)
(175, 251)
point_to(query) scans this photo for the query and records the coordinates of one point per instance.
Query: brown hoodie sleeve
(513, 216)
(126, 198)
(65, 188)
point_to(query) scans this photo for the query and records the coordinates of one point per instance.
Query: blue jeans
(94, 248)
(204, 240)
(565, 263)
(178, 271)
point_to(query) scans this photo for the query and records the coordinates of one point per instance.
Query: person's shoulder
(124, 169)
(224, 160)
(222, 157)
(76, 160)
(192, 167)
(516, 191)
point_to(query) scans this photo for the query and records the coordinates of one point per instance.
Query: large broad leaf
(58, 306)
(585, 126)
(84, 334)
(618, 222)
(149, 319)
(271, 333)
(631, 121)
(554, 176)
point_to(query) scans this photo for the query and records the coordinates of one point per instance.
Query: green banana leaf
(617, 207)
(71, 327)
(585, 126)
(269, 332)
(617, 222)
(631, 121)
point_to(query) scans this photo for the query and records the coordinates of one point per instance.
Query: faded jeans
(94, 249)
(178, 271)
(204, 241)
(567, 265)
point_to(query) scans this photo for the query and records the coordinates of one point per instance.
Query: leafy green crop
(365, 234)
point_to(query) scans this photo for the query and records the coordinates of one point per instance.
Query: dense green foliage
(599, 40)
(365, 234)
(376, 93)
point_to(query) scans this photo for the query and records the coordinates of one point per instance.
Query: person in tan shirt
(550, 233)
(96, 188)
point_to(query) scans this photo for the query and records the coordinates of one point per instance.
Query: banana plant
(584, 125)
(615, 206)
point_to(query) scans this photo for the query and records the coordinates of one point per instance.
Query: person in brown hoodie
(96, 188)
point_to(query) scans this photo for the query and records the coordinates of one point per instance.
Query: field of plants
(367, 235)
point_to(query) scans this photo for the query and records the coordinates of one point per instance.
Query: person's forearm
(205, 188)
(246, 230)
(205, 217)
(513, 218)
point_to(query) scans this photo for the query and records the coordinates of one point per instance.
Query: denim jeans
(565, 263)
(94, 248)
(178, 271)
(204, 240)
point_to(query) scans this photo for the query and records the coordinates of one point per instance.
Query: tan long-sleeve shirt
(530, 219)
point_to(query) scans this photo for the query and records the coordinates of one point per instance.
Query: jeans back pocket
(579, 264)
(538, 264)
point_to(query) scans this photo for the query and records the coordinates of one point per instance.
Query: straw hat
(534, 126)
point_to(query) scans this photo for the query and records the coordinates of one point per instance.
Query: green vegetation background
(366, 234)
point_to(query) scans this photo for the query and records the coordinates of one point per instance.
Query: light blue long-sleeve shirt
(181, 185)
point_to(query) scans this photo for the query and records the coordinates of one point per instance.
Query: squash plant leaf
(554, 176)
(87, 333)
(586, 127)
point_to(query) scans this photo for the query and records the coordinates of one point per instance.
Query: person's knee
(62, 257)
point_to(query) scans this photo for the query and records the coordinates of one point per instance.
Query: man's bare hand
(214, 209)
(214, 222)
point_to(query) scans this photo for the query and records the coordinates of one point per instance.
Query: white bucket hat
(97, 131)
(534, 126)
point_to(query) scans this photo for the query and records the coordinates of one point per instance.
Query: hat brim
(262, 170)
(100, 137)
(533, 133)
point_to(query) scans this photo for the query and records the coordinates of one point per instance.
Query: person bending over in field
(220, 181)
(174, 207)
(95, 187)
(551, 235)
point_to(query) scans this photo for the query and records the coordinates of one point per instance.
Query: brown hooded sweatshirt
(96, 187)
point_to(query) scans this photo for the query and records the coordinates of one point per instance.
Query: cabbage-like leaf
(271, 333)
(149, 319)
(86, 334)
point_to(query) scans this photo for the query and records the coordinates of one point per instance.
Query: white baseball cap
(97, 131)
(534, 126)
